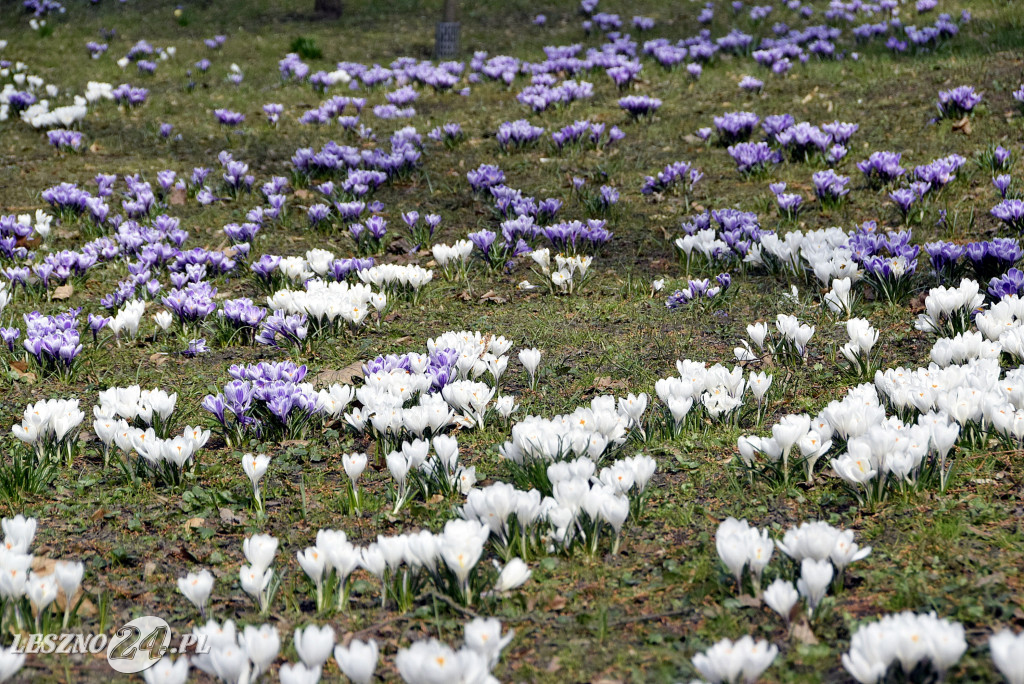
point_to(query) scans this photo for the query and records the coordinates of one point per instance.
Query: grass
(640, 615)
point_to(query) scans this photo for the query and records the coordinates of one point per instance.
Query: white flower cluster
(729, 661)
(19, 581)
(907, 640)
(718, 389)
(948, 309)
(863, 337)
(453, 259)
(816, 547)
(397, 277)
(133, 402)
(587, 431)
(385, 395)
(156, 451)
(50, 426)
(824, 252)
(128, 319)
(582, 500)
(329, 302)
(569, 272)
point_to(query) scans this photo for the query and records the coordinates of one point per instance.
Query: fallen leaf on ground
(344, 376)
(801, 631)
(63, 292)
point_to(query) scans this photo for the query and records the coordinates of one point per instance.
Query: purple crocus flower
(432, 221)
(195, 348)
(609, 196)
(226, 117)
(753, 157)
(1002, 183)
(1001, 157)
(1011, 213)
(958, 102)
(638, 106)
(829, 186)
(881, 168)
(1011, 283)
(9, 336)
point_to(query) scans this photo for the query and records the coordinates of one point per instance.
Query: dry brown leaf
(492, 296)
(557, 603)
(962, 126)
(148, 569)
(26, 376)
(63, 292)
(801, 631)
(344, 376)
(193, 523)
(159, 358)
(554, 665)
(98, 514)
(302, 193)
(177, 197)
(746, 599)
(606, 382)
(230, 517)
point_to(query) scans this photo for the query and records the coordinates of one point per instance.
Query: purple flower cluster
(20, 100)
(699, 289)
(539, 97)
(266, 399)
(449, 134)
(829, 186)
(1011, 213)
(788, 203)
(957, 102)
(485, 176)
(774, 124)
(881, 168)
(638, 106)
(440, 366)
(192, 303)
(734, 127)
(129, 96)
(753, 158)
(802, 139)
(945, 259)
(292, 68)
(226, 117)
(366, 169)
(624, 73)
(64, 139)
(941, 171)
(751, 84)
(390, 111)
(281, 328)
(1011, 283)
(580, 133)
(53, 341)
(517, 134)
(993, 258)
(95, 49)
(673, 174)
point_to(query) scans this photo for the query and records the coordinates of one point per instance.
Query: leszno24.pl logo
(132, 648)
